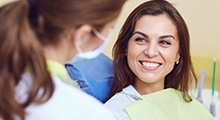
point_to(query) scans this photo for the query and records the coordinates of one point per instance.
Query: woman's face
(152, 50)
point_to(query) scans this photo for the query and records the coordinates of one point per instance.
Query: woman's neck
(146, 88)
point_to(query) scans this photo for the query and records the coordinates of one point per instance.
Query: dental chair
(94, 76)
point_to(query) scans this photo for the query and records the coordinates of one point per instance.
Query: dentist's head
(80, 27)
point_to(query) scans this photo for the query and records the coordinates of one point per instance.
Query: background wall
(2, 2)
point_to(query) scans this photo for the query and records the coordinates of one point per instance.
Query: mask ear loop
(78, 47)
(99, 35)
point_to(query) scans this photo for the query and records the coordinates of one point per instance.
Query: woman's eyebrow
(161, 37)
(141, 33)
(167, 36)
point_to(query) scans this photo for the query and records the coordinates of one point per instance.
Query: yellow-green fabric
(57, 69)
(167, 104)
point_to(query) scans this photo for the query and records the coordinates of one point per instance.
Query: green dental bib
(167, 104)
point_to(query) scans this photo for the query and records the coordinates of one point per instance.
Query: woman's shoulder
(125, 96)
(120, 100)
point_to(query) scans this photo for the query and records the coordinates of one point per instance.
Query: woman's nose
(151, 50)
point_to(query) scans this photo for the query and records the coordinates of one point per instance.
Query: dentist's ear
(82, 34)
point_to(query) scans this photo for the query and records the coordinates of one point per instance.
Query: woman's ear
(177, 58)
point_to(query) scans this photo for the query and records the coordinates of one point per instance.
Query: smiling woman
(151, 55)
(151, 58)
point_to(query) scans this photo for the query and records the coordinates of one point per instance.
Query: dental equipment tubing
(201, 79)
(212, 105)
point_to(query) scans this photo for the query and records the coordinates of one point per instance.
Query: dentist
(36, 38)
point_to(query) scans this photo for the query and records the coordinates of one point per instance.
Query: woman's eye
(140, 40)
(164, 42)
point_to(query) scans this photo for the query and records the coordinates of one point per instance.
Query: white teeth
(148, 64)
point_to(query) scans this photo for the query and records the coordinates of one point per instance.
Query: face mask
(92, 54)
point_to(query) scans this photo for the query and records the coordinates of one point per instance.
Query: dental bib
(167, 104)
